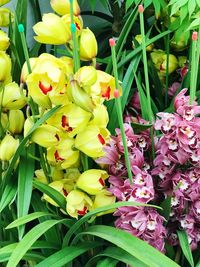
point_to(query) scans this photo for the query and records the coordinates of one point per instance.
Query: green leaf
(198, 2)
(9, 194)
(183, 238)
(29, 239)
(52, 193)
(166, 205)
(118, 254)
(25, 179)
(129, 4)
(177, 5)
(86, 217)
(28, 218)
(67, 254)
(191, 7)
(131, 244)
(107, 262)
(194, 24)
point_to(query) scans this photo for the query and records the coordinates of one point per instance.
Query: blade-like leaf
(131, 244)
(8, 194)
(183, 238)
(52, 193)
(67, 254)
(29, 239)
(107, 262)
(85, 218)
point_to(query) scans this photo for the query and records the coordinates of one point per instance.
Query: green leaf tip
(20, 27)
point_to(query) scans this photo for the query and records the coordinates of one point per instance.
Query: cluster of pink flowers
(177, 166)
(143, 222)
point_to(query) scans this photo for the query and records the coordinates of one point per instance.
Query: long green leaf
(28, 218)
(107, 262)
(131, 244)
(118, 254)
(67, 254)
(25, 180)
(183, 238)
(28, 240)
(8, 194)
(85, 218)
(52, 193)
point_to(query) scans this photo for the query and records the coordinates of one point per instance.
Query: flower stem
(144, 55)
(74, 39)
(119, 112)
(194, 69)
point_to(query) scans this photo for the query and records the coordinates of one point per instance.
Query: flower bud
(4, 41)
(40, 176)
(86, 76)
(4, 120)
(25, 72)
(78, 203)
(80, 97)
(92, 181)
(5, 67)
(5, 14)
(92, 140)
(103, 198)
(159, 59)
(45, 136)
(8, 147)
(62, 7)
(52, 30)
(16, 121)
(28, 124)
(88, 45)
(12, 97)
(180, 44)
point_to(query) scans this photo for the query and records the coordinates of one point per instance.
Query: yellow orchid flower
(63, 154)
(88, 45)
(24, 71)
(46, 136)
(62, 7)
(77, 21)
(3, 2)
(103, 198)
(5, 16)
(86, 76)
(104, 87)
(92, 140)
(4, 41)
(16, 121)
(100, 116)
(78, 203)
(70, 118)
(92, 181)
(52, 30)
(12, 97)
(5, 66)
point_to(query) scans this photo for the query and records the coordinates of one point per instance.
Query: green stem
(74, 39)
(120, 116)
(193, 72)
(145, 63)
(197, 56)
(167, 65)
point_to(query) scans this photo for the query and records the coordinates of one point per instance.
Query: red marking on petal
(184, 71)
(101, 139)
(57, 137)
(57, 156)
(112, 42)
(65, 192)
(101, 181)
(65, 124)
(106, 94)
(45, 89)
(161, 67)
(77, 26)
(82, 212)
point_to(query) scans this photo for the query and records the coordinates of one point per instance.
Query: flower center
(65, 124)
(101, 139)
(57, 156)
(106, 94)
(101, 181)
(45, 89)
(82, 212)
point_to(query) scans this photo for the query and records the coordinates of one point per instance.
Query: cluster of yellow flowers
(12, 97)
(80, 124)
